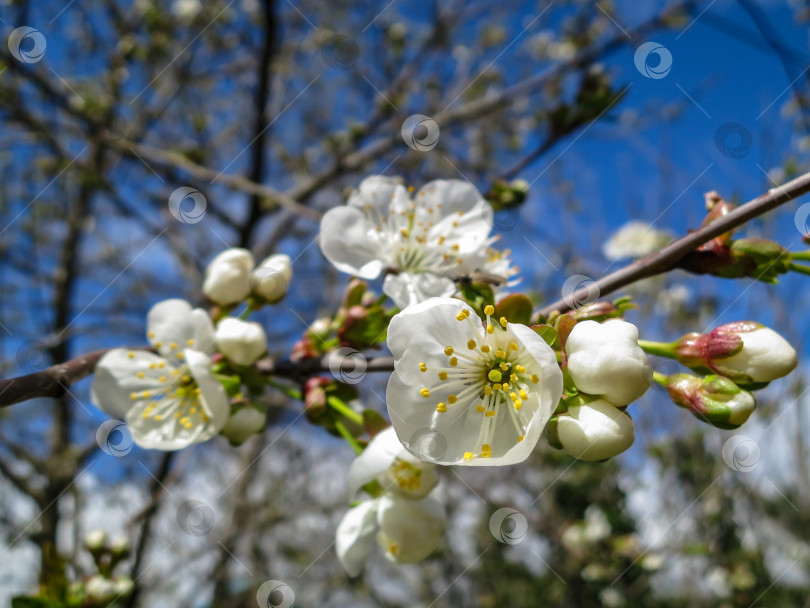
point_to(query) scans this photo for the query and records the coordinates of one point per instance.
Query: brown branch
(669, 257)
(54, 381)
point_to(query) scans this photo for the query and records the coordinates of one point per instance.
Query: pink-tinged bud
(315, 397)
(745, 351)
(303, 349)
(714, 399)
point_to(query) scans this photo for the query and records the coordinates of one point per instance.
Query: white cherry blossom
(227, 277)
(243, 342)
(422, 243)
(481, 391)
(170, 399)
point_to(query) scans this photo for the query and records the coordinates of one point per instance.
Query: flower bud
(95, 541)
(99, 589)
(227, 276)
(120, 547)
(713, 399)
(123, 586)
(271, 279)
(315, 397)
(760, 259)
(243, 424)
(243, 342)
(595, 431)
(747, 352)
(605, 360)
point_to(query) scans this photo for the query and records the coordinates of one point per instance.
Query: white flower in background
(595, 431)
(635, 240)
(170, 399)
(242, 425)
(243, 342)
(606, 360)
(99, 588)
(487, 390)
(95, 540)
(227, 278)
(424, 242)
(386, 461)
(271, 279)
(407, 530)
(186, 10)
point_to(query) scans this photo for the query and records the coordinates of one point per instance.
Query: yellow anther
(494, 375)
(185, 420)
(131, 355)
(158, 417)
(145, 414)
(452, 399)
(175, 372)
(441, 407)
(521, 438)
(455, 247)
(162, 364)
(425, 392)
(173, 345)
(513, 378)
(186, 378)
(518, 404)
(503, 322)
(158, 344)
(523, 394)
(190, 342)
(481, 409)
(513, 346)
(453, 362)
(490, 329)
(487, 390)
(162, 379)
(471, 344)
(146, 394)
(504, 366)
(150, 334)
(151, 366)
(140, 374)
(486, 450)
(423, 367)
(489, 414)
(448, 350)
(192, 410)
(442, 375)
(489, 309)
(485, 348)
(513, 396)
(461, 316)
(181, 356)
(500, 354)
(535, 379)
(520, 369)
(506, 386)
(441, 240)
(497, 387)
(133, 396)
(177, 414)
(468, 456)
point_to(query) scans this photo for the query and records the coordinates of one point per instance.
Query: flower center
(178, 395)
(406, 474)
(488, 374)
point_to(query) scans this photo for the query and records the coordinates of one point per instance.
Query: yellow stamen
(131, 355)
(471, 344)
(441, 407)
(442, 375)
(535, 379)
(451, 399)
(453, 362)
(425, 392)
(489, 414)
(448, 350)
(489, 309)
(423, 367)
(481, 409)
(503, 322)
(468, 456)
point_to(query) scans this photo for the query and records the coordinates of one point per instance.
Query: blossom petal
(214, 399)
(407, 289)
(373, 462)
(466, 218)
(354, 538)
(122, 373)
(351, 242)
(172, 325)
(383, 194)
(410, 530)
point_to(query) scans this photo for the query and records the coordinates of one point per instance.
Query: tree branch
(668, 258)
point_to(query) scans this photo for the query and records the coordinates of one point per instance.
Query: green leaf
(547, 332)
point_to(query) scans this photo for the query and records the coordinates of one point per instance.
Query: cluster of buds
(605, 370)
(507, 195)
(104, 586)
(360, 323)
(232, 277)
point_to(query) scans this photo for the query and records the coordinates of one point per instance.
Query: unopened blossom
(243, 342)
(170, 399)
(99, 588)
(605, 360)
(485, 389)
(95, 540)
(594, 431)
(386, 461)
(713, 399)
(407, 530)
(270, 280)
(227, 277)
(635, 240)
(243, 424)
(420, 242)
(745, 351)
